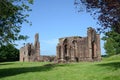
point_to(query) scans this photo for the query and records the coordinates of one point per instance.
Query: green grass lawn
(107, 69)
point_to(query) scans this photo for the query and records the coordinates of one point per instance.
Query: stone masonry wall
(30, 53)
(76, 48)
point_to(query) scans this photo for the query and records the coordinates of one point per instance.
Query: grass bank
(107, 69)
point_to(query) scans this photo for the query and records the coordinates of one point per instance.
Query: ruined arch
(59, 48)
(74, 42)
(65, 41)
(65, 44)
(66, 49)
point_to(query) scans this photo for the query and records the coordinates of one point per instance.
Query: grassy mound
(108, 69)
(112, 58)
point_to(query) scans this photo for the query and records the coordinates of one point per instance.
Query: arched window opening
(92, 50)
(65, 49)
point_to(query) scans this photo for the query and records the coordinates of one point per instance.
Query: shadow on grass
(6, 63)
(15, 71)
(114, 65)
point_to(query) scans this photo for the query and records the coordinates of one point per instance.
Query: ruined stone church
(30, 52)
(76, 48)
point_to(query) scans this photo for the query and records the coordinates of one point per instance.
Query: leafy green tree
(9, 53)
(112, 42)
(109, 47)
(12, 15)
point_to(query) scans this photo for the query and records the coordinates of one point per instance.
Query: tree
(9, 53)
(109, 46)
(112, 42)
(106, 11)
(12, 14)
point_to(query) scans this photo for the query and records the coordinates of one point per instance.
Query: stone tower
(76, 48)
(37, 47)
(30, 52)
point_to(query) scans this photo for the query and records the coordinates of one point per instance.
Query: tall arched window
(65, 44)
(65, 49)
(92, 50)
(74, 47)
(59, 51)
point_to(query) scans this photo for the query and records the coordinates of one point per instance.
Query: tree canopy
(112, 42)
(9, 53)
(106, 11)
(12, 14)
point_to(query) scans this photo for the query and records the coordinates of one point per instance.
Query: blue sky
(54, 19)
